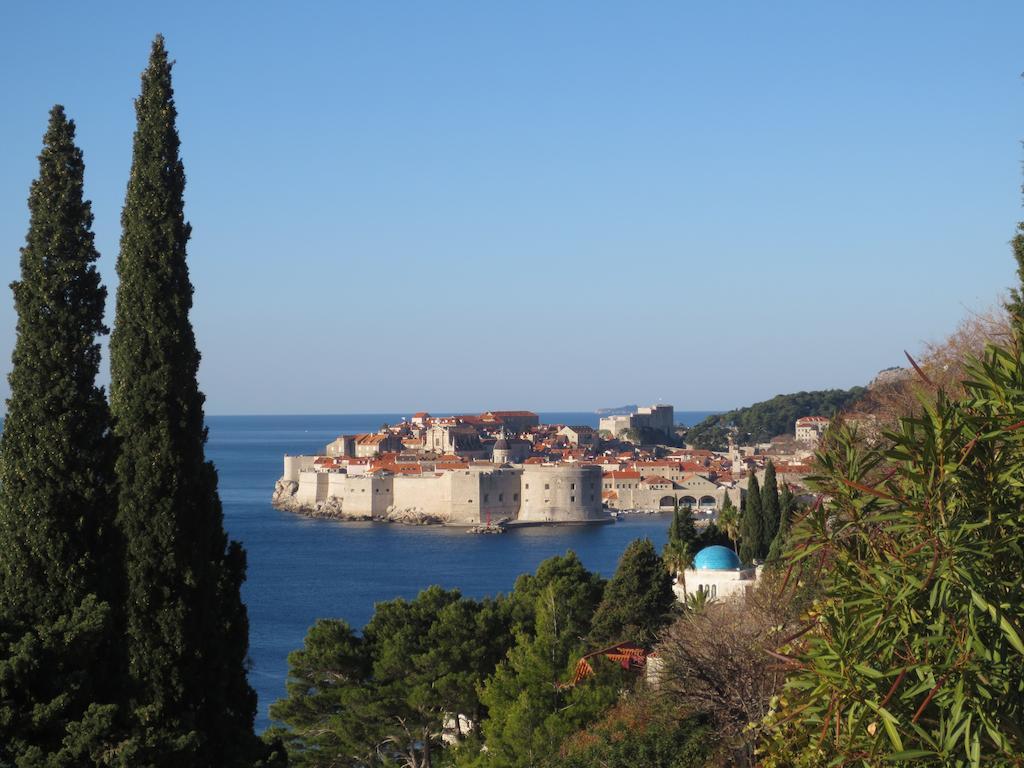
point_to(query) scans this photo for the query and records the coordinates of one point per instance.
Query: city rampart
(469, 497)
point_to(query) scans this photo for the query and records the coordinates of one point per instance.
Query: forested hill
(762, 421)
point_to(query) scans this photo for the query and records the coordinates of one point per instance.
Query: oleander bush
(915, 650)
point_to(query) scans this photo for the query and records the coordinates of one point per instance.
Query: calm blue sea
(301, 570)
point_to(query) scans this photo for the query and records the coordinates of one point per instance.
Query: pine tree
(637, 599)
(186, 626)
(58, 666)
(331, 713)
(580, 589)
(769, 507)
(530, 710)
(751, 521)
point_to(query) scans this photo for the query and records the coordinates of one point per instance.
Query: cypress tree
(186, 626)
(786, 504)
(57, 586)
(682, 528)
(751, 522)
(1016, 303)
(769, 507)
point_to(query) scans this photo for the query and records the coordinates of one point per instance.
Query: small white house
(718, 571)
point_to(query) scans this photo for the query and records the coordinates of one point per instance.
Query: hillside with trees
(762, 421)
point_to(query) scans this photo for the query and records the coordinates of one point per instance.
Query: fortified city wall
(466, 497)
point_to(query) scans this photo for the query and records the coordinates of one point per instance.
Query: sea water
(302, 569)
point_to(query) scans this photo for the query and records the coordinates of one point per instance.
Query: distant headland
(622, 410)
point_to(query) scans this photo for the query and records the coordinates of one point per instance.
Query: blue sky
(464, 205)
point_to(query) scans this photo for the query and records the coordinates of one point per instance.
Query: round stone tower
(563, 493)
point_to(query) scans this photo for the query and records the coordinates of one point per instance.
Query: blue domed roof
(716, 558)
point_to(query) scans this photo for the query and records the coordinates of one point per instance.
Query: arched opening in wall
(688, 501)
(667, 502)
(707, 502)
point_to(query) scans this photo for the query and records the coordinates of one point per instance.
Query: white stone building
(809, 429)
(717, 571)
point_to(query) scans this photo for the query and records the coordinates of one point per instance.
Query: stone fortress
(470, 496)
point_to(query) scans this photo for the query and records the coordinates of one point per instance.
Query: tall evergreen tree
(637, 599)
(1016, 303)
(57, 584)
(186, 626)
(682, 528)
(769, 507)
(786, 505)
(751, 522)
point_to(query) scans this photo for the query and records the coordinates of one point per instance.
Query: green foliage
(385, 697)
(678, 556)
(682, 529)
(787, 507)
(1015, 305)
(639, 733)
(58, 581)
(760, 422)
(770, 507)
(638, 598)
(330, 710)
(186, 633)
(710, 535)
(566, 574)
(729, 520)
(916, 651)
(429, 656)
(751, 523)
(529, 712)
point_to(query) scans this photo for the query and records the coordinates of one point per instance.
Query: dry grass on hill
(941, 365)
